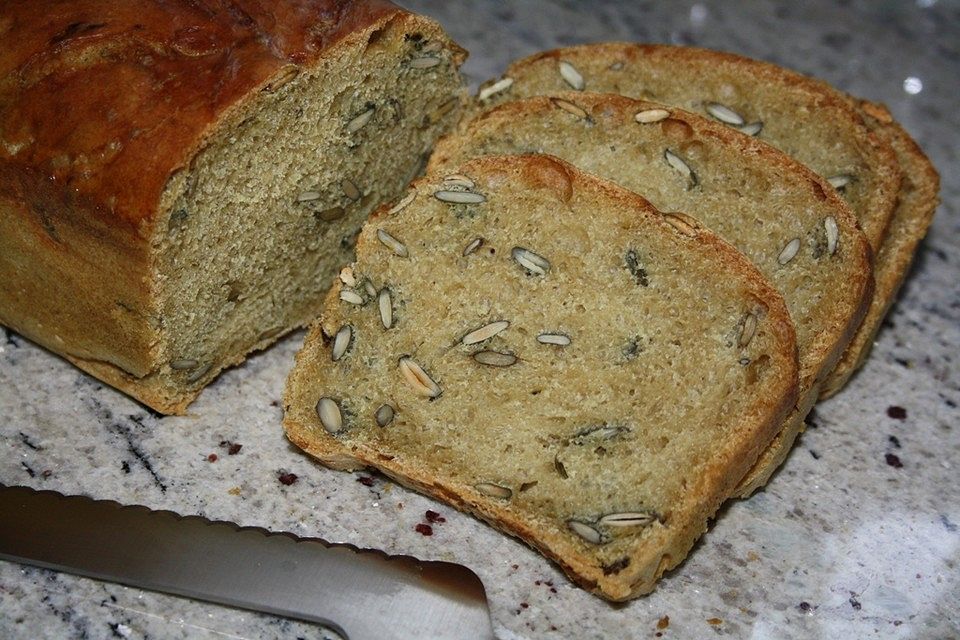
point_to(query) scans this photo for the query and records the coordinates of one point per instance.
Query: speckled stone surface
(857, 536)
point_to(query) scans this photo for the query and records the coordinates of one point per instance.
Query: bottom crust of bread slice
(547, 351)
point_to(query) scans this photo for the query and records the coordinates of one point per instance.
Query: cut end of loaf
(554, 376)
(268, 211)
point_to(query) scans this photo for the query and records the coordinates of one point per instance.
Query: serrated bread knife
(362, 595)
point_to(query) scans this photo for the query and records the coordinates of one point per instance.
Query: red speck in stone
(894, 461)
(212, 457)
(287, 478)
(433, 516)
(897, 413)
(424, 529)
(366, 481)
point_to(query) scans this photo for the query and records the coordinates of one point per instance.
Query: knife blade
(360, 594)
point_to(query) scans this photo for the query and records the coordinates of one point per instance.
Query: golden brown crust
(916, 206)
(665, 547)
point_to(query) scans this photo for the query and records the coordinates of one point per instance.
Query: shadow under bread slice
(545, 350)
(787, 220)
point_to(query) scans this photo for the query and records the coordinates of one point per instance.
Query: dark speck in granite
(897, 412)
(893, 460)
(286, 478)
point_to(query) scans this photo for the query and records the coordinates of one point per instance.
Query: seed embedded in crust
(840, 182)
(431, 47)
(458, 180)
(627, 519)
(569, 107)
(571, 75)
(493, 490)
(385, 303)
(585, 531)
(330, 416)
(392, 243)
(384, 415)
(789, 251)
(341, 342)
(308, 196)
(361, 120)
(649, 116)
(183, 364)
(682, 167)
(459, 197)
(350, 189)
(724, 114)
(400, 206)
(347, 277)
(682, 223)
(747, 331)
(370, 289)
(472, 246)
(485, 332)
(424, 62)
(495, 358)
(531, 261)
(833, 234)
(491, 90)
(752, 129)
(351, 296)
(559, 339)
(417, 378)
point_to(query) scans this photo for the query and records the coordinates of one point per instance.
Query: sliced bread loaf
(855, 145)
(179, 181)
(787, 220)
(916, 203)
(801, 116)
(545, 350)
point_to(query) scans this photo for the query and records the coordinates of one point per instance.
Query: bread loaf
(545, 350)
(788, 221)
(179, 180)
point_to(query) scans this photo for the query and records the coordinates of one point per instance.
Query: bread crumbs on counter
(663, 622)
(286, 478)
(715, 621)
(894, 460)
(234, 491)
(423, 529)
(433, 517)
(212, 457)
(233, 448)
(366, 481)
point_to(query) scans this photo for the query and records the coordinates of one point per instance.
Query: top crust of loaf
(70, 63)
(754, 419)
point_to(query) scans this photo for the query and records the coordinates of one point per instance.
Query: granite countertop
(857, 536)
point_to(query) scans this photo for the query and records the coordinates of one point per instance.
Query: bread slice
(207, 214)
(801, 116)
(545, 350)
(916, 203)
(769, 206)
